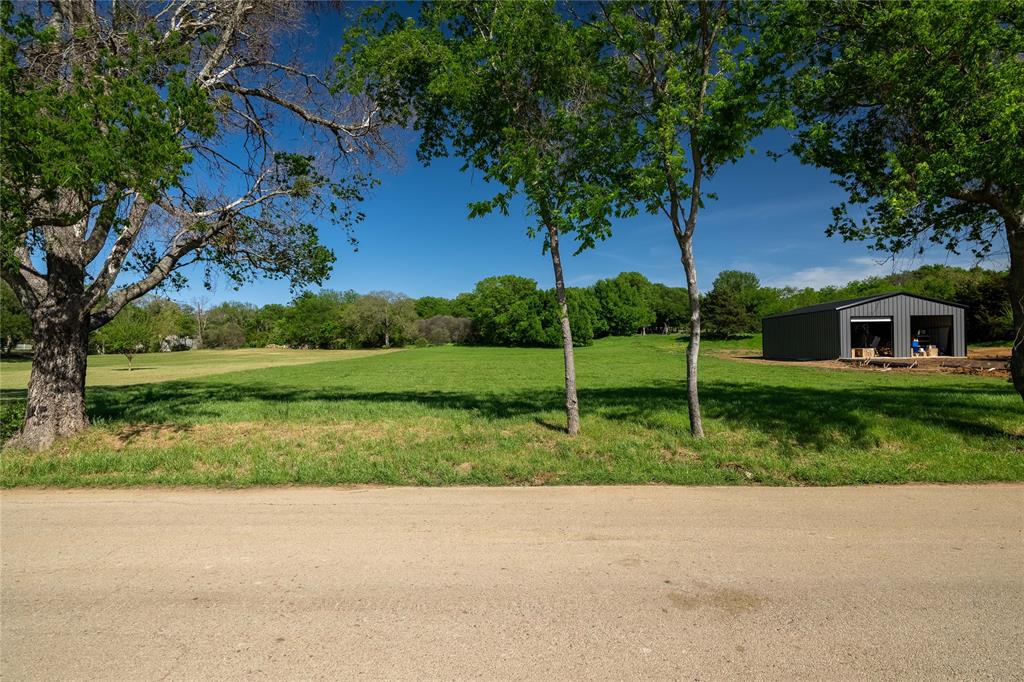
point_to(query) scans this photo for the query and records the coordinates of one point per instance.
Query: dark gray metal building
(886, 322)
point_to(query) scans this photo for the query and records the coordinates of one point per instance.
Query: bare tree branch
(118, 253)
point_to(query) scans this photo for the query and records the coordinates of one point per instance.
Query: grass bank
(492, 416)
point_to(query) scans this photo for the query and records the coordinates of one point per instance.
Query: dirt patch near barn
(990, 362)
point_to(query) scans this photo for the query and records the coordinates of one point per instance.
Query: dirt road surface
(922, 582)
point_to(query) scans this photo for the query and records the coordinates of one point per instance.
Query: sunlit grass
(493, 416)
(112, 370)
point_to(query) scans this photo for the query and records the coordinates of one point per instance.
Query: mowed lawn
(493, 416)
(112, 370)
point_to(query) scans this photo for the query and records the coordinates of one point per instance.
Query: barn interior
(875, 333)
(933, 330)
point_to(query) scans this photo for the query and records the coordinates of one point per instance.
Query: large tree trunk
(1015, 241)
(56, 388)
(693, 349)
(572, 405)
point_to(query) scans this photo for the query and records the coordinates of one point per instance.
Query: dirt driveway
(922, 582)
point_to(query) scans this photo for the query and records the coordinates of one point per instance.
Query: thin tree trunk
(572, 406)
(1015, 241)
(55, 406)
(693, 349)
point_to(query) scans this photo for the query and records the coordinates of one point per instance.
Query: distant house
(888, 324)
(174, 342)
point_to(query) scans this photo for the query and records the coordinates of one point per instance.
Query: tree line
(510, 310)
(139, 139)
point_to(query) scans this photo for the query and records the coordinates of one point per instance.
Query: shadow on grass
(16, 358)
(804, 416)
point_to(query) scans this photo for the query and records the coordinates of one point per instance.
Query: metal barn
(888, 324)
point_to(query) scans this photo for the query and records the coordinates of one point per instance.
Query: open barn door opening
(871, 336)
(933, 333)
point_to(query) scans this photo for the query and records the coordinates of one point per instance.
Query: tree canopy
(697, 82)
(142, 139)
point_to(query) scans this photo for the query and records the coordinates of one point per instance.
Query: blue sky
(770, 219)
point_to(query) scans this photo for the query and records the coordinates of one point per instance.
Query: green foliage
(512, 311)
(12, 415)
(15, 325)
(736, 300)
(725, 315)
(515, 90)
(116, 122)
(264, 327)
(167, 318)
(625, 304)
(506, 311)
(316, 320)
(129, 334)
(432, 306)
(381, 319)
(228, 324)
(584, 317)
(916, 109)
(102, 115)
(671, 306)
(696, 85)
(225, 334)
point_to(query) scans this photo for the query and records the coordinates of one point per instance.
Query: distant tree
(464, 305)
(433, 306)
(316, 320)
(167, 318)
(200, 308)
(515, 90)
(382, 319)
(227, 324)
(265, 327)
(505, 311)
(724, 313)
(624, 308)
(585, 313)
(698, 82)
(989, 316)
(737, 281)
(671, 307)
(129, 334)
(744, 298)
(644, 288)
(15, 325)
(229, 334)
(442, 329)
(915, 107)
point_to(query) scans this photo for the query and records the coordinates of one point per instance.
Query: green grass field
(147, 368)
(493, 416)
